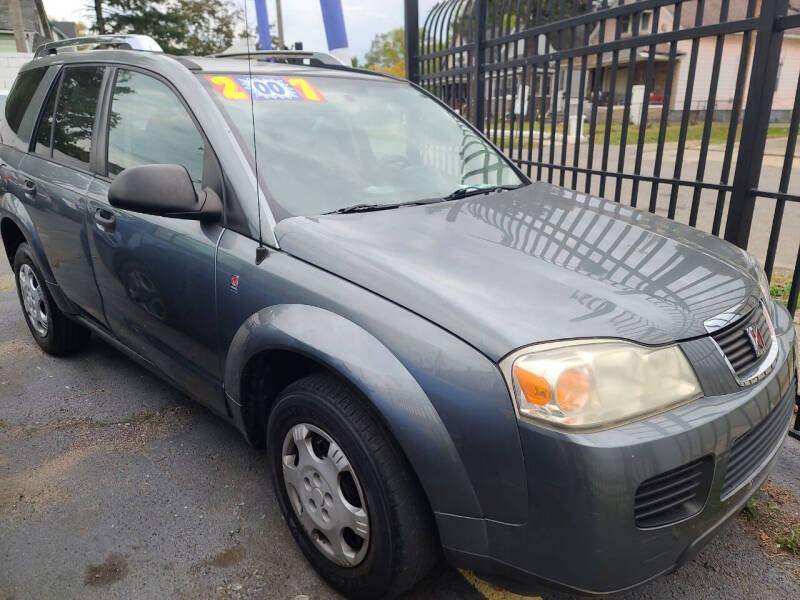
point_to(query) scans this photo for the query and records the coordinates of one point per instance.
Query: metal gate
(687, 108)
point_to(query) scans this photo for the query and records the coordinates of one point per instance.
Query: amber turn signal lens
(535, 388)
(572, 390)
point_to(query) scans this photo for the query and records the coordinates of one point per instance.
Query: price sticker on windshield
(265, 88)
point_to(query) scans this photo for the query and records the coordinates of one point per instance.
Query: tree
(387, 49)
(197, 27)
(100, 22)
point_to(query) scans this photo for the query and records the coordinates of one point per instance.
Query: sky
(302, 20)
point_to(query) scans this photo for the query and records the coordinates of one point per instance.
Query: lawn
(718, 134)
(780, 286)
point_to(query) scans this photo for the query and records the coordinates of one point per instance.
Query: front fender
(11, 208)
(366, 363)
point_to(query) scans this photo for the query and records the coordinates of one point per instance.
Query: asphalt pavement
(115, 486)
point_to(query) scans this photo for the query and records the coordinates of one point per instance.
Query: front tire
(348, 495)
(53, 331)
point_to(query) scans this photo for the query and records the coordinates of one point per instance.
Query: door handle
(29, 188)
(105, 219)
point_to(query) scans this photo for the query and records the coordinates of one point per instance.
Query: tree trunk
(15, 10)
(43, 18)
(98, 15)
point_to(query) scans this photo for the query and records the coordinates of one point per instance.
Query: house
(33, 20)
(635, 65)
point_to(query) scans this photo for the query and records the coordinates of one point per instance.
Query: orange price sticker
(306, 90)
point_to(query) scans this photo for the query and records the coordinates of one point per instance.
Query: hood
(539, 263)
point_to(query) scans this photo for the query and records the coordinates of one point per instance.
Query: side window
(148, 124)
(44, 134)
(74, 121)
(19, 105)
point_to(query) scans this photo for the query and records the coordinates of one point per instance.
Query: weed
(753, 507)
(790, 540)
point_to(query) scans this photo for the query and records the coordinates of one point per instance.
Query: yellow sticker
(228, 87)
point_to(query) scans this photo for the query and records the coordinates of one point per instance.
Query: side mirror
(163, 190)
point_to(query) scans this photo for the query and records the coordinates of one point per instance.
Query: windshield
(327, 143)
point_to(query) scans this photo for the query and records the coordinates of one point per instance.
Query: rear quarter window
(20, 109)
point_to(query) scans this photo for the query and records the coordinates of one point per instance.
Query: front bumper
(581, 533)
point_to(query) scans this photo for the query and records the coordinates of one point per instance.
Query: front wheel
(347, 492)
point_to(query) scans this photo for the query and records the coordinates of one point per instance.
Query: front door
(156, 274)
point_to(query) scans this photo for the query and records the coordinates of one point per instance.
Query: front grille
(673, 495)
(751, 450)
(736, 345)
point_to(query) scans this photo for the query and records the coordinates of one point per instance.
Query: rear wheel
(347, 493)
(54, 332)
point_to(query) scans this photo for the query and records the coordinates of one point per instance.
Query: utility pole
(43, 18)
(279, 12)
(15, 11)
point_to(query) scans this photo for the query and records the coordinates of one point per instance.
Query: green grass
(790, 540)
(694, 133)
(780, 287)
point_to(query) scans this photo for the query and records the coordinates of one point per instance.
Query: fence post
(412, 40)
(481, 8)
(753, 140)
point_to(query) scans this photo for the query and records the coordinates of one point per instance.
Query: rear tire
(397, 545)
(53, 331)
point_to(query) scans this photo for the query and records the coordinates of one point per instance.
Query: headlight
(596, 384)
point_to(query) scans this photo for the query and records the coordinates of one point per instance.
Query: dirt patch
(773, 514)
(6, 593)
(131, 433)
(140, 430)
(39, 487)
(13, 347)
(227, 558)
(113, 569)
(6, 284)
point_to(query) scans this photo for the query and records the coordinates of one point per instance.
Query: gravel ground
(113, 485)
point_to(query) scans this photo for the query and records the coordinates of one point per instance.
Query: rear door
(156, 274)
(56, 177)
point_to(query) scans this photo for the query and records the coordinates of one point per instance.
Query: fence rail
(669, 105)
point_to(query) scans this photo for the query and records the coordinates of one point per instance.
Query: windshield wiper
(455, 195)
(370, 207)
(355, 208)
(475, 190)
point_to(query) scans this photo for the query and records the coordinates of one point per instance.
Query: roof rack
(122, 41)
(293, 57)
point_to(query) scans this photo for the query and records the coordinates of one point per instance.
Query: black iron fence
(686, 108)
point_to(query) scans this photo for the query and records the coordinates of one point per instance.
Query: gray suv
(439, 355)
